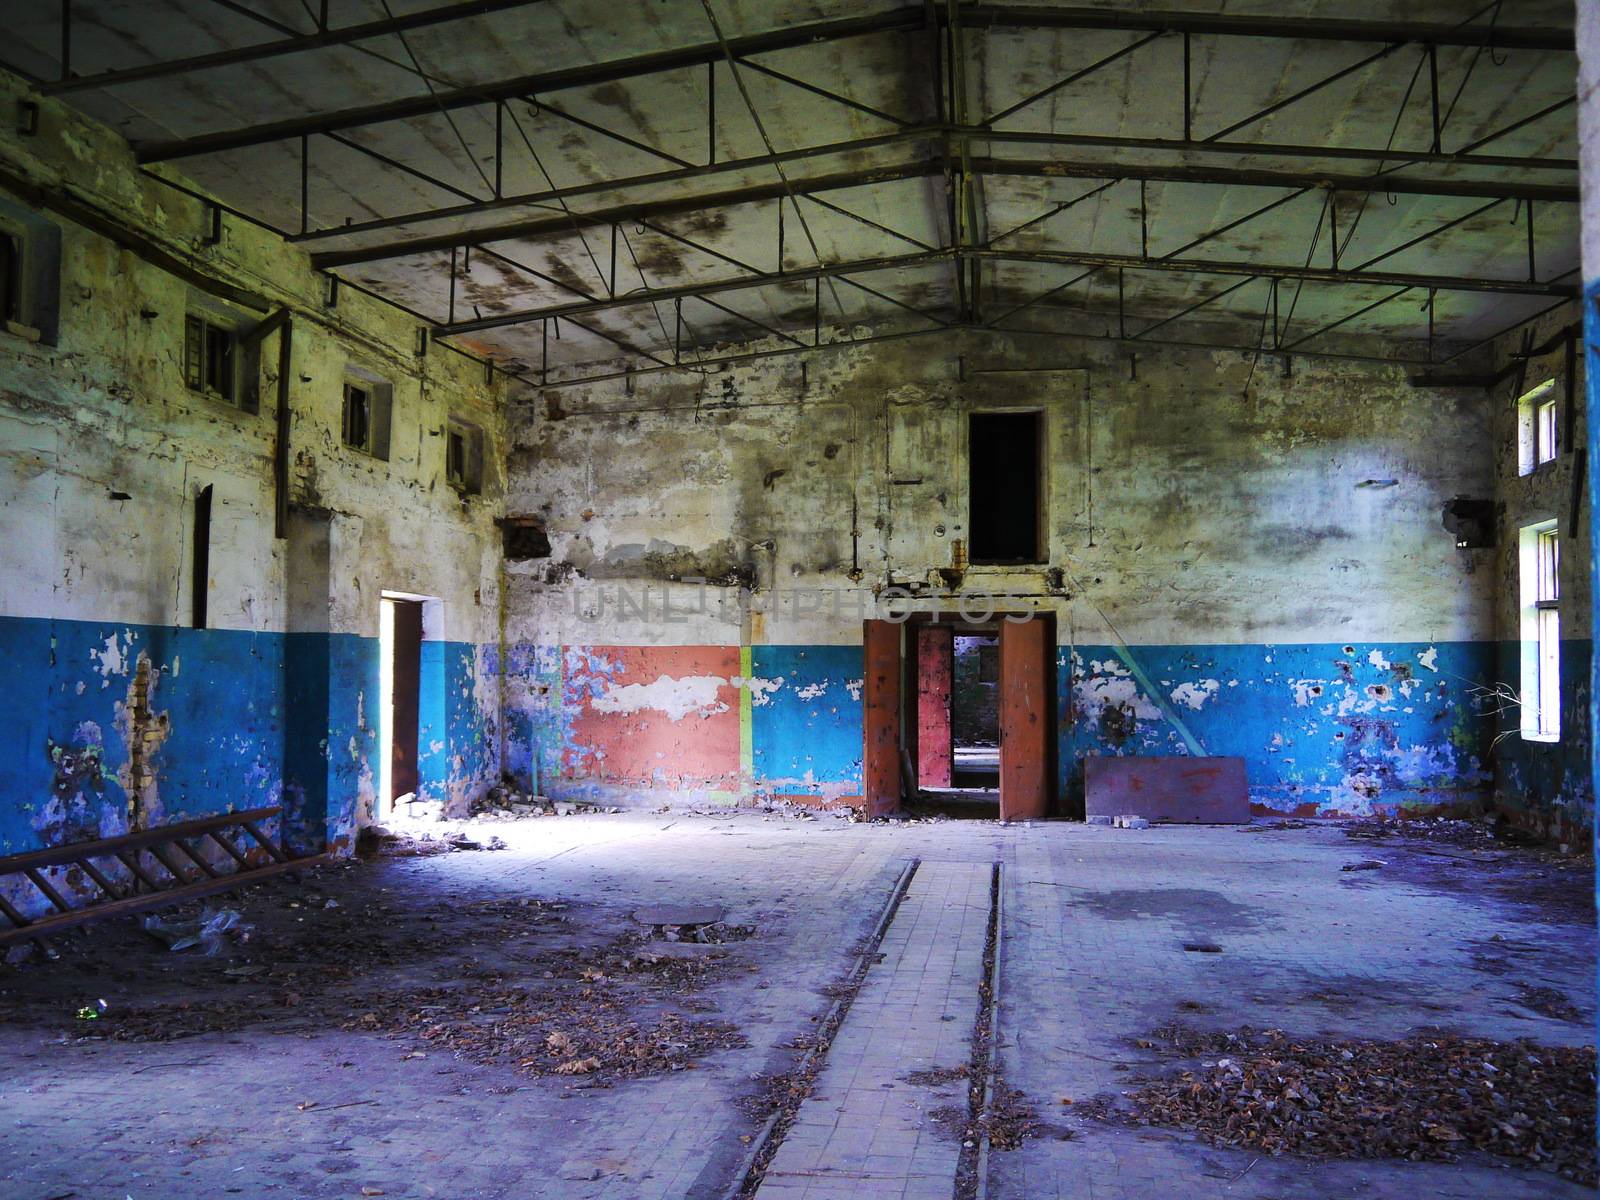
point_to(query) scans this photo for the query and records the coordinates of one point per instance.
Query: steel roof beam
(895, 20)
(551, 228)
(689, 291)
(982, 16)
(1384, 182)
(321, 40)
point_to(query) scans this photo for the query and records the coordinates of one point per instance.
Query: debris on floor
(1427, 1097)
(592, 1030)
(210, 931)
(506, 803)
(1271, 825)
(382, 841)
(1549, 1002)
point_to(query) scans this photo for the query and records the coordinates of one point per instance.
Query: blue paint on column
(472, 732)
(433, 725)
(331, 737)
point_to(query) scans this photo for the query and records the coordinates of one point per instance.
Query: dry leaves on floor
(1424, 1098)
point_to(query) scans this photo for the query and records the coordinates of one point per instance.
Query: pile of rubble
(504, 803)
(1427, 1097)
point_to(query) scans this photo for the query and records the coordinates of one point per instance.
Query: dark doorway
(975, 711)
(1003, 489)
(406, 665)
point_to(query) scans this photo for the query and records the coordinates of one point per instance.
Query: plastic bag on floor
(208, 931)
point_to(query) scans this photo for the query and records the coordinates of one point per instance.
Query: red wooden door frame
(1027, 726)
(880, 752)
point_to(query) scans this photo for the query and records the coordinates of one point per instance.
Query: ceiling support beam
(525, 85)
(1202, 266)
(548, 228)
(554, 228)
(323, 39)
(1076, 334)
(900, 20)
(1129, 262)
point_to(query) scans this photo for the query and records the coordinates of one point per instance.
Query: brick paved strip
(865, 1130)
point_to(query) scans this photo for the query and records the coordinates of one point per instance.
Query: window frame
(34, 286)
(1539, 554)
(467, 476)
(352, 389)
(1538, 427)
(203, 330)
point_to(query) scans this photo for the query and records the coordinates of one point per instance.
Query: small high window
(30, 274)
(463, 457)
(10, 278)
(1540, 555)
(1538, 441)
(213, 362)
(367, 404)
(1005, 492)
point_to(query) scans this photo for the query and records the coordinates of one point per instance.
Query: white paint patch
(677, 698)
(853, 686)
(82, 687)
(1377, 659)
(113, 660)
(1430, 658)
(88, 734)
(1195, 694)
(1306, 690)
(760, 689)
(1120, 692)
(811, 691)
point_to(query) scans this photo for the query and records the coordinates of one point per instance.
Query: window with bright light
(1538, 441)
(1540, 554)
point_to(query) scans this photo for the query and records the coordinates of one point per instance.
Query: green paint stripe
(1139, 677)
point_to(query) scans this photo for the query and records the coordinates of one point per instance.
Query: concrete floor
(281, 1098)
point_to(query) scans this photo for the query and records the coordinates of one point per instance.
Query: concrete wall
(1241, 561)
(117, 712)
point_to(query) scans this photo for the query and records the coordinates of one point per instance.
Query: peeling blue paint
(248, 720)
(1321, 728)
(806, 732)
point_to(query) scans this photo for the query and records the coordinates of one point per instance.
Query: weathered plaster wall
(116, 712)
(1545, 786)
(1241, 560)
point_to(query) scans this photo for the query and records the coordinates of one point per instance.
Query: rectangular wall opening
(200, 580)
(400, 693)
(1005, 515)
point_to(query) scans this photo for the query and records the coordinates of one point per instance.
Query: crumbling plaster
(1243, 531)
(102, 450)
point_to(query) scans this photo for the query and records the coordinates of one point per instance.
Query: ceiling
(576, 187)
